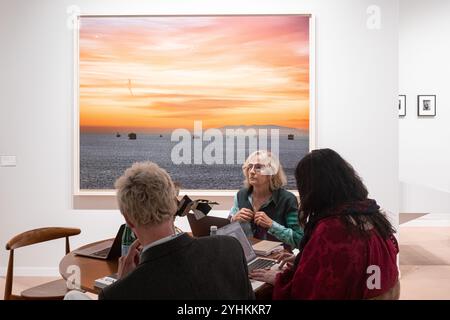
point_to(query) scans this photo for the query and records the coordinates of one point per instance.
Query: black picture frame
(402, 105)
(426, 105)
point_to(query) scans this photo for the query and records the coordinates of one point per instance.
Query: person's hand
(243, 215)
(265, 275)
(285, 258)
(129, 262)
(262, 220)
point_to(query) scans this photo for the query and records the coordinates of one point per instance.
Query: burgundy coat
(338, 264)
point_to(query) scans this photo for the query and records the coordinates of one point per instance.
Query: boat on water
(290, 137)
(117, 135)
(132, 136)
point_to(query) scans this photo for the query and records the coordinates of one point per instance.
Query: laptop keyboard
(260, 264)
(101, 253)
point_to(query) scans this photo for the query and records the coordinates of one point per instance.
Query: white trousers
(76, 295)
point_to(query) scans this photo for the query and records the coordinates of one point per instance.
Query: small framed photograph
(426, 105)
(401, 105)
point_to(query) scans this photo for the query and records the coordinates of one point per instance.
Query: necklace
(258, 202)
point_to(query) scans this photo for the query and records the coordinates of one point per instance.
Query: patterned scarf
(363, 207)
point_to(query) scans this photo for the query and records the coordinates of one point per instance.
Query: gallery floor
(424, 259)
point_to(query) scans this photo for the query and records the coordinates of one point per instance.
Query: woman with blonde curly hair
(264, 209)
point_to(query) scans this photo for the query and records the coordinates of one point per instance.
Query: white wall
(424, 68)
(357, 79)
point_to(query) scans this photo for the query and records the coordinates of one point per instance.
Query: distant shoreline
(100, 130)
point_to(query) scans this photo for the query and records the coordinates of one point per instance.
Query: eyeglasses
(257, 166)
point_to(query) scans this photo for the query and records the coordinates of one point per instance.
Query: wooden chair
(51, 290)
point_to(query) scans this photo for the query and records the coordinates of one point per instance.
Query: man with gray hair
(162, 264)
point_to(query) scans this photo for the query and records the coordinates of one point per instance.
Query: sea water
(104, 158)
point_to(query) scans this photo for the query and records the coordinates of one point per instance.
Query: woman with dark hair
(348, 250)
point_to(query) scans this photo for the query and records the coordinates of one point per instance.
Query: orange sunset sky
(151, 74)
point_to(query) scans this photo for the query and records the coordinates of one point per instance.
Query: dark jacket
(187, 268)
(282, 202)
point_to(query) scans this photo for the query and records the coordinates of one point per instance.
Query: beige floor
(424, 265)
(425, 262)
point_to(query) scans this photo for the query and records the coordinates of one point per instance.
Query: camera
(200, 207)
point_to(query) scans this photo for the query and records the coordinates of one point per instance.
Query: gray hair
(272, 168)
(146, 194)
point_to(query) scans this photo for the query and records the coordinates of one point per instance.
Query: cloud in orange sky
(160, 73)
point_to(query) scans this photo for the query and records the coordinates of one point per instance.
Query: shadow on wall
(420, 198)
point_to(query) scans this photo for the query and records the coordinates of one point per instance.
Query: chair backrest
(32, 237)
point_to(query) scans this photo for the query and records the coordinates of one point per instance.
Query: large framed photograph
(194, 94)
(402, 105)
(426, 105)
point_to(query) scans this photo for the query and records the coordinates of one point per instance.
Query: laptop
(253, 261)
(106, 250)
(201, 227)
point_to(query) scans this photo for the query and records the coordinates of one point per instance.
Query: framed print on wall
(402, 105)
(426, 105)
(169, 89)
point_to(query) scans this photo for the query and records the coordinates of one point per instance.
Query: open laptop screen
(235, 230)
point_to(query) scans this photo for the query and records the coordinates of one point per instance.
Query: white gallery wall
(356, 90)
(424, 142)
